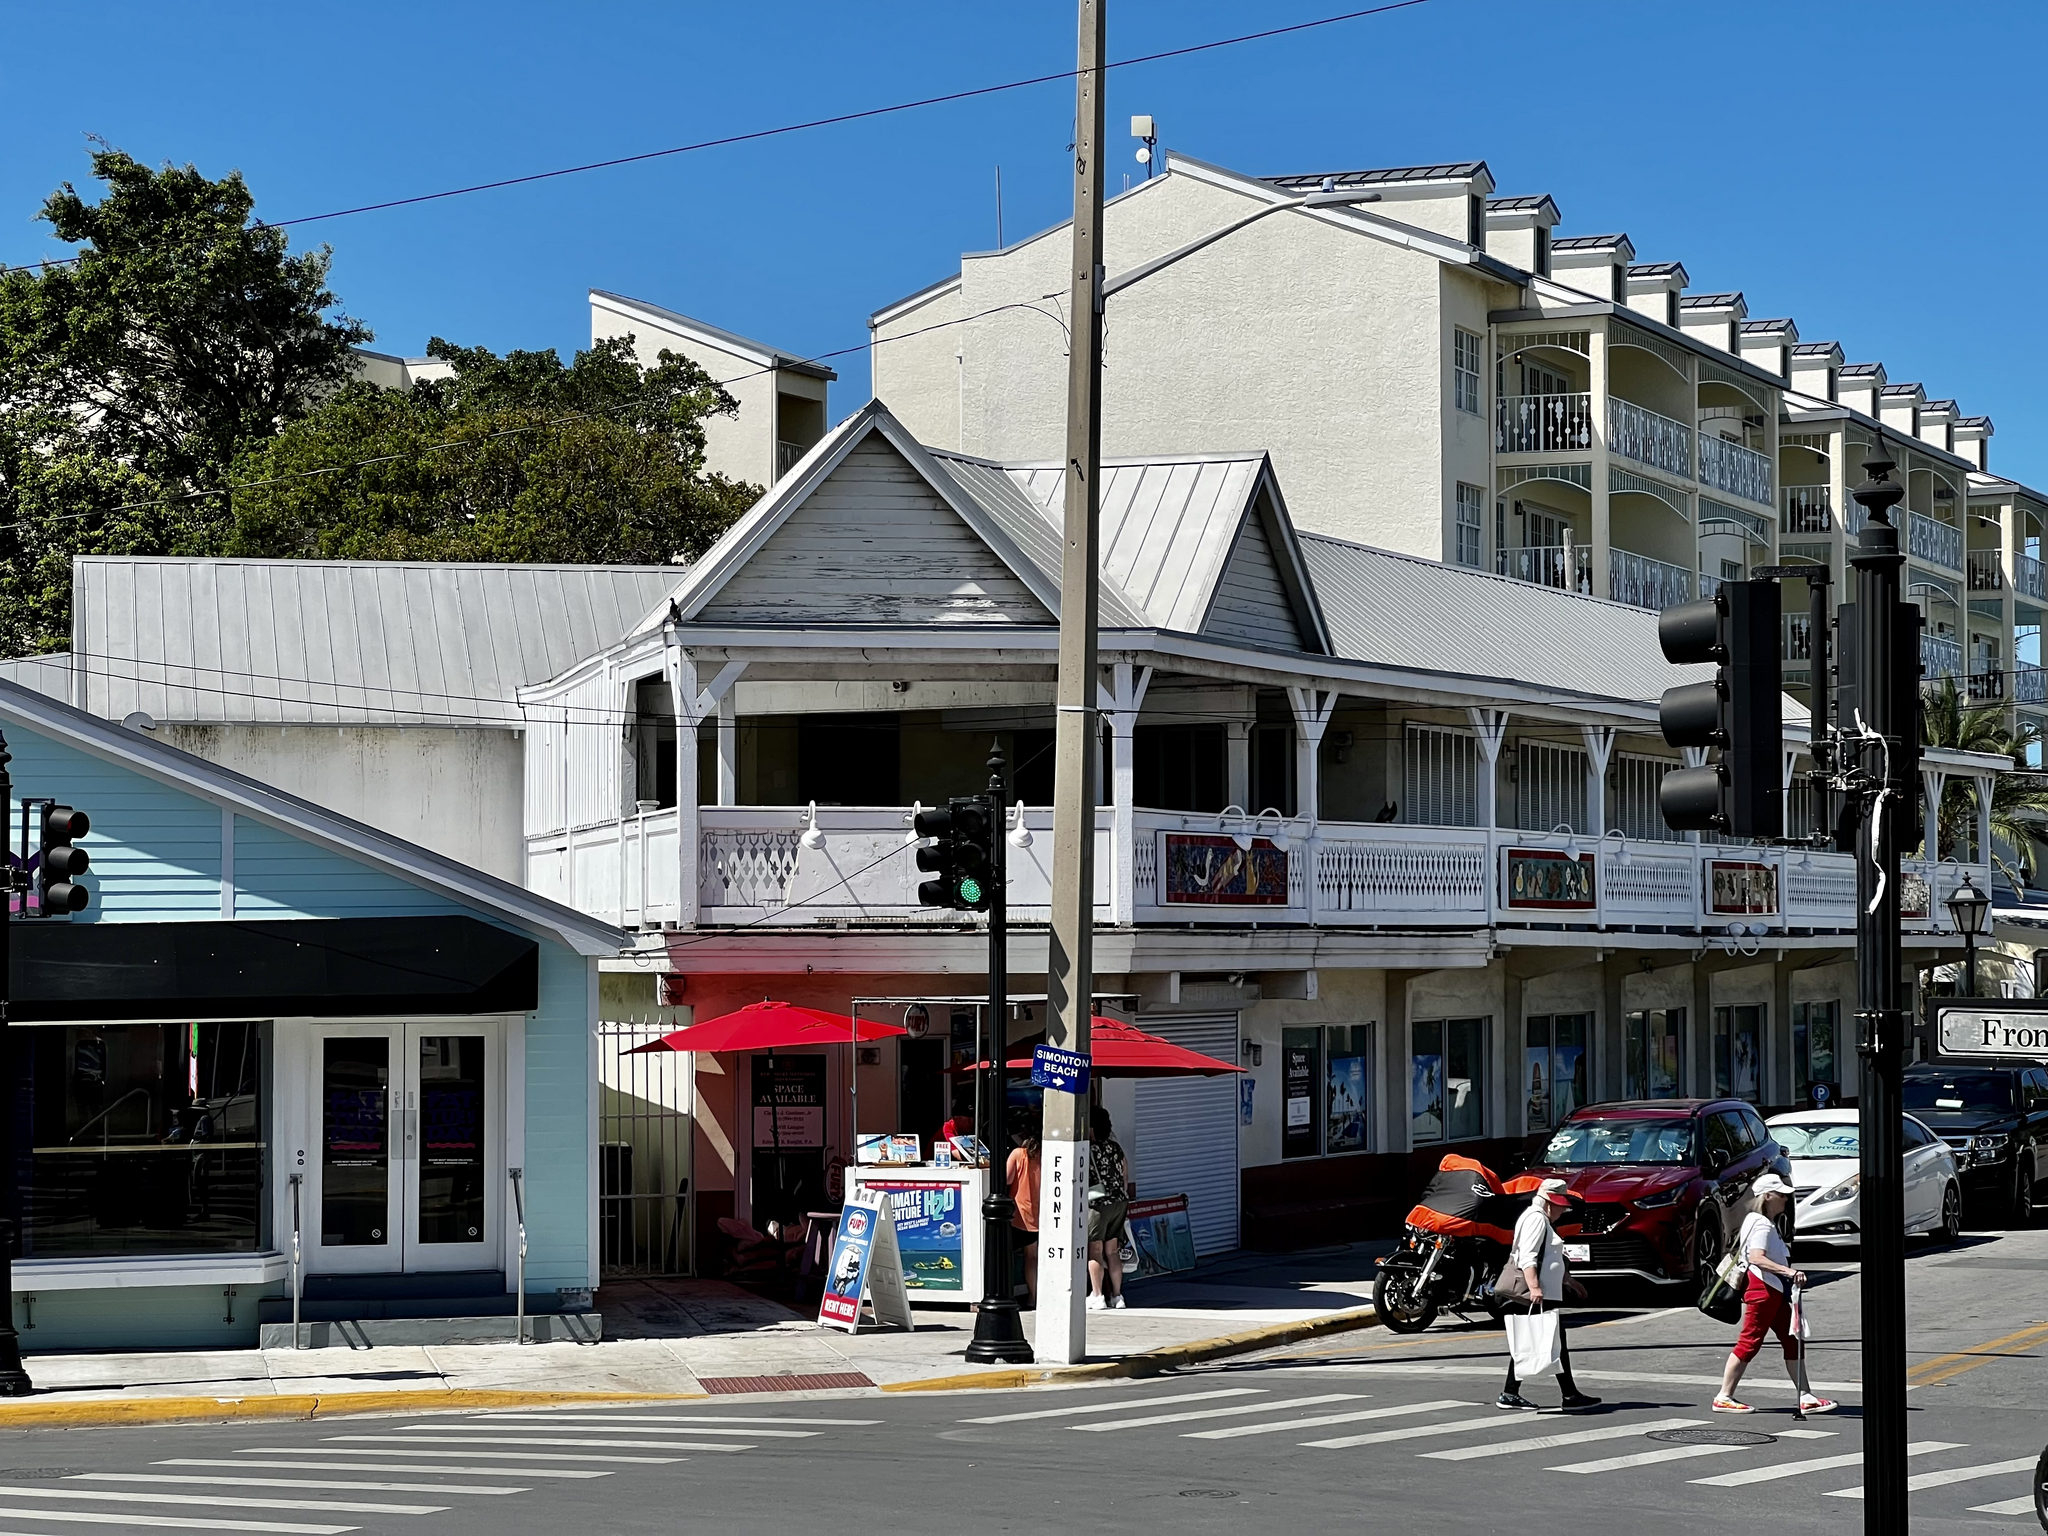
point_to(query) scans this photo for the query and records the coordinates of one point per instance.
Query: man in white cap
(1766, 1308)
(1539, 1255)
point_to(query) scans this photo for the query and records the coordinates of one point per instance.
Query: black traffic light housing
(57, 887)
(1740, 712)
(962, 854)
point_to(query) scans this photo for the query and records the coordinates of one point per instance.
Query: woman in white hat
(1539, 1255)
(1766, 1307)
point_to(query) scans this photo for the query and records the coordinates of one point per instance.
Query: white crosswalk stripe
(222, 1501)
(394, 1466)
(1074, 1410)
(1564, 1438)
(641, 1445)
(1650, 1458)
(1237, 1431)
(290, 1482)
(1950, 1475)
(1770, 1474)
(1411, 1432)
(1217, 1413)
(2024, 1505)
(557, 1416)
(363, 1450)
(174, 1522)
(752, 1433)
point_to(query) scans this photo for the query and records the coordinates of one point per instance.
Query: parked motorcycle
(1457, 1240)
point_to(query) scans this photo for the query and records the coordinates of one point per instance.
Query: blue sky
(1872, 169)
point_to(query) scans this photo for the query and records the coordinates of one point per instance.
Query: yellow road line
(1944, 1367)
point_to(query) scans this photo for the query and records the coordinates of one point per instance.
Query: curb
(1151, 1362)
(102, 1412)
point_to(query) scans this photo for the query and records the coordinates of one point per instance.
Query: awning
(65, 971)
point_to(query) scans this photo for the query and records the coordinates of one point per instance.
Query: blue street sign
(1052, 1067)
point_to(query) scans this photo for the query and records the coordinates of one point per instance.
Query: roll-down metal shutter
(1187, 1131)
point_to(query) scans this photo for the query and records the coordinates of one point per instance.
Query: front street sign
(2016, 1027)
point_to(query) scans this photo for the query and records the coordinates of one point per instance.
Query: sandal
(1724, 1404)
(1809, 1403)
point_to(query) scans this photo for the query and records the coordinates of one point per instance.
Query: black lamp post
(1968, 909)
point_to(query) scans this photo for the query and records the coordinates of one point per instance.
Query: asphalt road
(1363, 1430)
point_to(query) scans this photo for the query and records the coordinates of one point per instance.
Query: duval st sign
(2016, 1028)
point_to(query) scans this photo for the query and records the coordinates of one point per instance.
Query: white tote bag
(1533, 1342)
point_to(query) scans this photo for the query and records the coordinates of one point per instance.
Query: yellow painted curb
(195, 1410)
(1152, 1362)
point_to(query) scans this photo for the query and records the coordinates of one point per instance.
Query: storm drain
(1711, 1437)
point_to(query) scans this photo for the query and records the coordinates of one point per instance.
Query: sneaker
(1098, 1303)
(1808, 1403)
(1513, 1400)
(1574, 1401)
(1725, 1404)
(1117, 1301)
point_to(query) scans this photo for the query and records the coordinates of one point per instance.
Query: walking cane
(1799, 1316)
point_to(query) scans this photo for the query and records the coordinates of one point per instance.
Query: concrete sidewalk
(706, 1337)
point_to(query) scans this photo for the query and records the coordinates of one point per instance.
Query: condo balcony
(1657, 442)
(1934, 541)
(1940, 656)
(1809, 508)
(1740, 471)
(2029, 683)
(1545, 423)
(2028, 577)
(1565, 566)
(1643, 582)
(1984, 571)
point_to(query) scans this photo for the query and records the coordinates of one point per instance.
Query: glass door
(408, 1162)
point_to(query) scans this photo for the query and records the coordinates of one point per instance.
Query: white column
(1237, 749)
(1120, 703)
(1312, 708)
(1490, 732)
(729, 748)
(1599, 740)
(682, 682)
(1933, 781)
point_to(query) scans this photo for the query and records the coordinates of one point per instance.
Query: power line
(817, 122)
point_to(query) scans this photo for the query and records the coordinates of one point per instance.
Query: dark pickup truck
(1994, 1114)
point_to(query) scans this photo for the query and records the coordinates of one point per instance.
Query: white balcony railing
(1637, 433)
(1940, 657)
(2028, 577)
(1645, 583)
(1808, 508)
(1936, 542)
(1569, 566)
(1545, 423)
(1986, 683)
(1735, 469)
(1983, 571)
(2029, 683)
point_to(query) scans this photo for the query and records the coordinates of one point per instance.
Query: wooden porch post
(1120, 703)
(1490, 733)
(682, 682)
(1599, 740)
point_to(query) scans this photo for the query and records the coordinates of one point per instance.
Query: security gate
(646, 1109)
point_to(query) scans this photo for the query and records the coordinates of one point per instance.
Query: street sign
(2018, 1027)
(1066, 1071)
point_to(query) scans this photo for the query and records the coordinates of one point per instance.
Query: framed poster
(1299, 1069)
(1344, 1115)
(929, 1230)
(789, 1101)
(1540, 878)
(1206, 869)
(1736, 888)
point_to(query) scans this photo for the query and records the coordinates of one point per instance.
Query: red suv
(1659, 1186)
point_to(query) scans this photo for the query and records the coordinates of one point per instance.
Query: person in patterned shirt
(1110, 1191)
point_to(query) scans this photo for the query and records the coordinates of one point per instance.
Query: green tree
(516, 458)
(2019, 800)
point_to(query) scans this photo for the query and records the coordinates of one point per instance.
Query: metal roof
(718, 336)
(1402, 611)
(1461, 170)
(1655, 268)
(1589, 242)
(1816, 348)
(1521, 204)
(1710, 301)
(1862, 368)
(1766, 327)
(335, 642)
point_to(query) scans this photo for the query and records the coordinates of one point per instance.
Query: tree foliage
(516, 458)
(2019, 800)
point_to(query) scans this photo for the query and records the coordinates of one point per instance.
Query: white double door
(401, 1147)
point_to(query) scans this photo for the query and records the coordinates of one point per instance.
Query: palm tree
(2019, 801)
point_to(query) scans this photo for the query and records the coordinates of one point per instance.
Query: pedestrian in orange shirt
(1021, 1170)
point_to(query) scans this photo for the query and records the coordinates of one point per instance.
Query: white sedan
(1825, 1151)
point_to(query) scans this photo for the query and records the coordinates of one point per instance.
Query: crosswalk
(1815, 1457)
(399, 1475)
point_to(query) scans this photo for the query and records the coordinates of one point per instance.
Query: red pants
(1764, 1310)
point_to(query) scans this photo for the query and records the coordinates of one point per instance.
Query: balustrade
(1569, 566)
(2029, 683)
(1645, 583)
(1985, 573)
(1545, 423)
(1940, 657)
(2028, 577)
(1735, 469)
(1809, 508)
(1641, 434)
(1937, 542)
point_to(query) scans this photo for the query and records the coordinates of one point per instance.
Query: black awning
(295, 968)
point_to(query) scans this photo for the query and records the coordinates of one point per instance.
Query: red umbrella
(769, 1026)
(1117, 1049)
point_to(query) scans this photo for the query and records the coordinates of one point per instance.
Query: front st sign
(2012, 1030)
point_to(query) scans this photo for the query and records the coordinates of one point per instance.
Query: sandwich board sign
(865, 1263)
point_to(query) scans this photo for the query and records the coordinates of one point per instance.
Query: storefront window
(1556, 1066)
(1301, 1075)
(142, 1139)
(1324, 1078)
(1447, 1086)
(1655, 1048)
(1816, 1032)
(1738, 1051)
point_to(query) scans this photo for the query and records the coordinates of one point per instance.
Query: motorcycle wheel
(1394, 1298)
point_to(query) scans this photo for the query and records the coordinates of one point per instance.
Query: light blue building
(274, 1020)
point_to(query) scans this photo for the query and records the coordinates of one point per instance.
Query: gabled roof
(339, 642)
(1768, 327)
(1457, 170)
(1647, 269)
(758, 352)
(1817, 349)
(1540, 202)
(1591, 243)
(1712, 301)
(249, 797)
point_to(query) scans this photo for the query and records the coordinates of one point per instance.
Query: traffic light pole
(14, 1380)
(1871, 746)
(998, 1325)
(1070, 962)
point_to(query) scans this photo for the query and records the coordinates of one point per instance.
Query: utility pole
(1070, 967)
(998, 1326)
(1880, 745)
(14, 1380)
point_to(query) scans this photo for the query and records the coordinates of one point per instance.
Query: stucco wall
(742, 446)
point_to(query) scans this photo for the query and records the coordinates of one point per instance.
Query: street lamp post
(14, 1380)
(1968, 908)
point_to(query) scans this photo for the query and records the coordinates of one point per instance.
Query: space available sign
(2012, 1029)
(865, 1263)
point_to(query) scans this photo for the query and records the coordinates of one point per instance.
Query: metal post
(519, 1210)
(998, 1324)
(14, 1380)
(1969, 965)
(1875, 748)
(1070, 975)
(298, 1179)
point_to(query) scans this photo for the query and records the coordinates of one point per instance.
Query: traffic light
(57, 886)
(1742, 795)
(961, 854)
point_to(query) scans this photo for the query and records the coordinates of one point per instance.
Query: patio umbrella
(1117, 1049)
(769, 1025)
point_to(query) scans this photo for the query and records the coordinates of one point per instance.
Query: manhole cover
(1208, 1493)
(29, 1474)
(1712, 1437)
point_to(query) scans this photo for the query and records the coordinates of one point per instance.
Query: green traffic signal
(970, 891)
